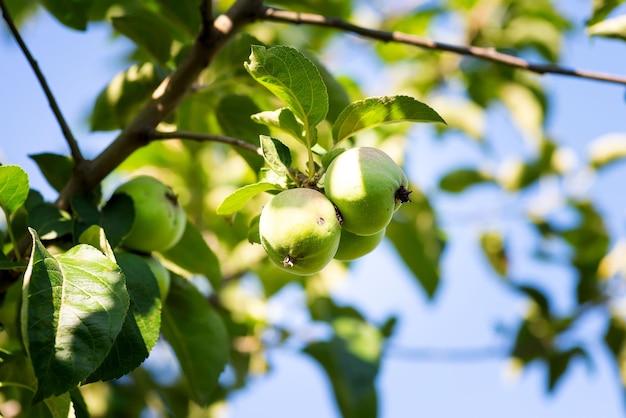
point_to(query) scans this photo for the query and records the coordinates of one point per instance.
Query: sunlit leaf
(375, 111)
(198, 337)
(276, 154)
(610, 28)
(80, 292)
(492, 244)
(238, 199)
(606, 150)
(293, 78)
(601, 9)
(13, 188)
(283, 119)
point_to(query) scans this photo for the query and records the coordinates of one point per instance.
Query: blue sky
(471, 302)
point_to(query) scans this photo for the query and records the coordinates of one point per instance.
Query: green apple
(159, 219)
(300, 231)
(352, 246)
(161, 274)
(367, 187)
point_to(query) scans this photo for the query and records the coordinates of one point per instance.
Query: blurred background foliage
(465, 91)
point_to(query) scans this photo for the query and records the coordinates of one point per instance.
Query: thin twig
(67, 133)
(195, 136)
(489, 54)
(447, 354)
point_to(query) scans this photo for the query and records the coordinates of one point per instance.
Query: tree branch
(195, 136)
(67, 133)
(164, 99)
(488, 54)
(448, 354)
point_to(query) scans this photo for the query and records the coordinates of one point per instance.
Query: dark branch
(67, 133)
(489, 54)
(195, 136)
(448, 354)
(206, 15)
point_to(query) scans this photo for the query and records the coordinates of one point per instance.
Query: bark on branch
(488, 54)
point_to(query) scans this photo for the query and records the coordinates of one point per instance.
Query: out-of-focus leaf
(419, 241)
(606, 150)
(21, 9)
(120, 101)
(294, 79)
(464, 115)
(13, 188)
(337, 96)
(375, 111)
(81, 292)
(184, 13)
(611, 28)
(494, 249)
(117, 217)
(238, 199)
(141, 327)
(57, 169)
(198, 336)
(601, 9)
(149, 31)
(460, 179)
(234, 117)
(527, 111)
(517, 175)
(276, 154)
(73, 14)
(559, 362)
(193, 254)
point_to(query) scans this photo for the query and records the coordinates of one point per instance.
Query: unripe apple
(367, 187)
(161, 274)
(352, 246)
(159, 219)
(300, 231)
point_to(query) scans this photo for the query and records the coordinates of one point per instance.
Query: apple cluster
(303, 229)
(158, 225)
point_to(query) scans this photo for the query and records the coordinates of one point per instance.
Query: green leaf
(233, 115)
(141, 328)
(57, 169)
(417, 238)
(294, 79)
(460, 179)
(198, 336)
(184, 13)
(193, 254)
(13, 188)
(375, 111)
(276, 154)
(601, 9)
(351, 361)
(149, 31)
(494, 249)
(606, 150)
(238, 199)
(282, 119)
(125, 95)
(611, 28)
(328, 157)
(73, 14)
(117, 218)
(73, 307)
(559, 362)
(59, 406)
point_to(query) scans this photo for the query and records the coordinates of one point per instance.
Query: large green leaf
(73, 307)
(72, 13)
(601, 9)
(375, 111)
(294, 79)
(419, 242)
(276, 154)
(141, 328)
(193, 254)
(13, 188)
(198, 336)
(121, 100)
